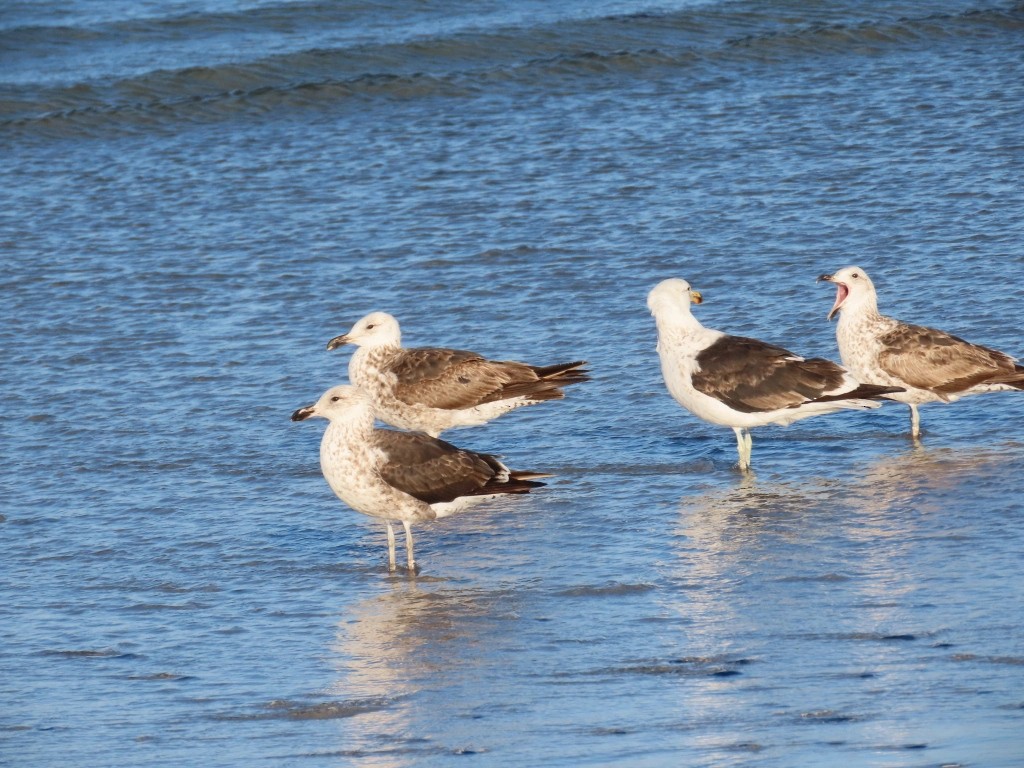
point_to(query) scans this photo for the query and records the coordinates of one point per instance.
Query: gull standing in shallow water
(433, 389)
(932, 366)
(404, 476)
(743, 383)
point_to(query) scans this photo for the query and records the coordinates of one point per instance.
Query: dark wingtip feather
(523, 481)
(518, 486)
(877, 391)
(1014, 379)
(518, 482)
(863, 392)
(563, 373)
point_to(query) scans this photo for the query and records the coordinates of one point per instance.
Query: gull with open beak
(930, 365)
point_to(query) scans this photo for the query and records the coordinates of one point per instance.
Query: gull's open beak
(841, 293)
(337, 341)
(303, 413)
(695, 297)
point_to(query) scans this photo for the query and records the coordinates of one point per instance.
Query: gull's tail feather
(549, 382)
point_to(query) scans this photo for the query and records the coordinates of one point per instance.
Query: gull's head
(854, 289)
(377, 329)
(672, 297)
(337, 402)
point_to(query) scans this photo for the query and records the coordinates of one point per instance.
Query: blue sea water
(196, 196)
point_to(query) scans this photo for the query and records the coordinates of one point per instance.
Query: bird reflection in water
(822, 582)
(885, 496)
(864, 527)
(414, 645)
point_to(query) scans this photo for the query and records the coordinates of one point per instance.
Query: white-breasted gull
(740, 382)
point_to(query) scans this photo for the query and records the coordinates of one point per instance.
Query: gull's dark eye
(335, 399)
(370, 327)
(854, 275)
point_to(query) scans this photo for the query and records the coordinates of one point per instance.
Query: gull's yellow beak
(695, 297)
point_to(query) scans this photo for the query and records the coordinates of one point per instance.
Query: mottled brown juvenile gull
(406, 476)
(932, 366)
(740, 382)
(433, 389)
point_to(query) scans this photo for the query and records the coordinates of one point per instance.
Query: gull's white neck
(678, 325)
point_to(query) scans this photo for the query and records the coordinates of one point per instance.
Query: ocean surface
(195, 195)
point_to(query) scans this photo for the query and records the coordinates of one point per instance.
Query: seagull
(740, 382)
(405, 476)
(931, 366)
(431, 389)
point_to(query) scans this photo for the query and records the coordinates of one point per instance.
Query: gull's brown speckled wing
(752, 376)
(433, 471)
(456, 379)
(945, 364)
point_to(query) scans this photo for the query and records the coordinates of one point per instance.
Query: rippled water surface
(197, 195)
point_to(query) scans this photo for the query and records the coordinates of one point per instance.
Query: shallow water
(198, 195)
